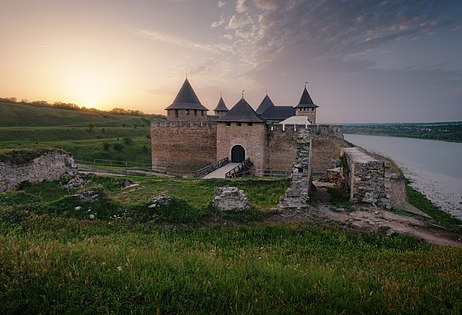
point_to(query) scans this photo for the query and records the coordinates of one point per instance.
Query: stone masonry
(230, 198)
(367, 179)
(298, 194)
(50, 165)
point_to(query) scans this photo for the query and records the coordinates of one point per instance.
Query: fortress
(190, 140)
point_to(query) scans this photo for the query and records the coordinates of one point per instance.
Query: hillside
(447, 131)
(23, 115)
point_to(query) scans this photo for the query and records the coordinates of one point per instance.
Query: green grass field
(187, 258)
(88, 136)
(22, 115)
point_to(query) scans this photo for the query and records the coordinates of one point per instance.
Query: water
(434, 167)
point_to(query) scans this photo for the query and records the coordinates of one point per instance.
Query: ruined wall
(297, 195)
(251, 138)
(368, 179)
(182, 147)
(34, 166)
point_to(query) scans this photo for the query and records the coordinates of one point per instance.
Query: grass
(54, 260)
(419, 201)
(13, 115)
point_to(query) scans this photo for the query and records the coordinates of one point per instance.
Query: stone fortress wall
(182, 147)
(48, 165)
(327, 142)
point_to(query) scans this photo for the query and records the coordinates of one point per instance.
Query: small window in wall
(238, 124)
(176, 113)
(249, 124)
(202, 113)
(187, 112)
(227, 124)
(195, 112)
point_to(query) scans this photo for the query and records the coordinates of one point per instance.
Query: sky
(361, 60)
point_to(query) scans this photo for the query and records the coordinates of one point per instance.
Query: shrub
(106, 146)
(118, 147)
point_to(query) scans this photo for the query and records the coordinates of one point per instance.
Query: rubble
(230, 198)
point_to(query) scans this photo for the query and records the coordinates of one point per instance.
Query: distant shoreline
(443, 131)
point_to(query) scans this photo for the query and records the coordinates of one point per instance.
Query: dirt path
(371, 218)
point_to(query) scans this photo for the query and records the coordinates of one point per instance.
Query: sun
(90, 89)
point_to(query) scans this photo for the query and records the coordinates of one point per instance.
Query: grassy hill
(15, 115)
(86, 135)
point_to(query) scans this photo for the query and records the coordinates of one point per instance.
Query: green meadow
(187, 258)
(61, 253)
(86, 135)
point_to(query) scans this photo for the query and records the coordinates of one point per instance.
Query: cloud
(221, 3)
(331, 28)
(219, 22)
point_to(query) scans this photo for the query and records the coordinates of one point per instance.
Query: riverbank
(433, 167)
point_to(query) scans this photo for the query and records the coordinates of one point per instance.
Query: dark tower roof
(264, 105)
(186, 99)
(241, 112)
(305, 100)
(221, 106)
(278, 113)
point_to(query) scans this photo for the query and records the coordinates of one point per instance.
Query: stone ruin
(230, 198)
(33, 166)
(367, 179)
(297, 195)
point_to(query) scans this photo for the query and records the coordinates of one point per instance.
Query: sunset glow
(363, 61)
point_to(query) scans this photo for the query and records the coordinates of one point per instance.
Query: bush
(118, 147)
(106, 146)
(128, 141)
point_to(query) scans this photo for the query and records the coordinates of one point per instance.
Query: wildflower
(119, 268)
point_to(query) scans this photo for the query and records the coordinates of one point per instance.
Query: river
(434, 167)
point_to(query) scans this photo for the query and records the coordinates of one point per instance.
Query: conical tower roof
(305, 100)
(221, 106)
(186, 99)
(264, 105)
(241, 112)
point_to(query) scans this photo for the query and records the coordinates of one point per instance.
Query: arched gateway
(237, 154)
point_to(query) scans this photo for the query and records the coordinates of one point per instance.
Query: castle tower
(241, 135)
(265, 104)
(221, 108)
(186, 105)
(306, 107)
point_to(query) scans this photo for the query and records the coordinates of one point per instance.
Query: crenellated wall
(327, 142)
(183, 147)
(34, 166)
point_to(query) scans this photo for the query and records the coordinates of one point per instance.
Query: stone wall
(183, 147)
(48, 165)
(186, 115)
(251, 137)
(367, 178)
(281, 150)
(297, 195)
(327, 142)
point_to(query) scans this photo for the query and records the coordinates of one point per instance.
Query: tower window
(249, 124)
(187, 112)
(238, 123)
(227, 124)
(176, 113)
(195, 112)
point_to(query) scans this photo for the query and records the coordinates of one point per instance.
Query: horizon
(374, 61)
